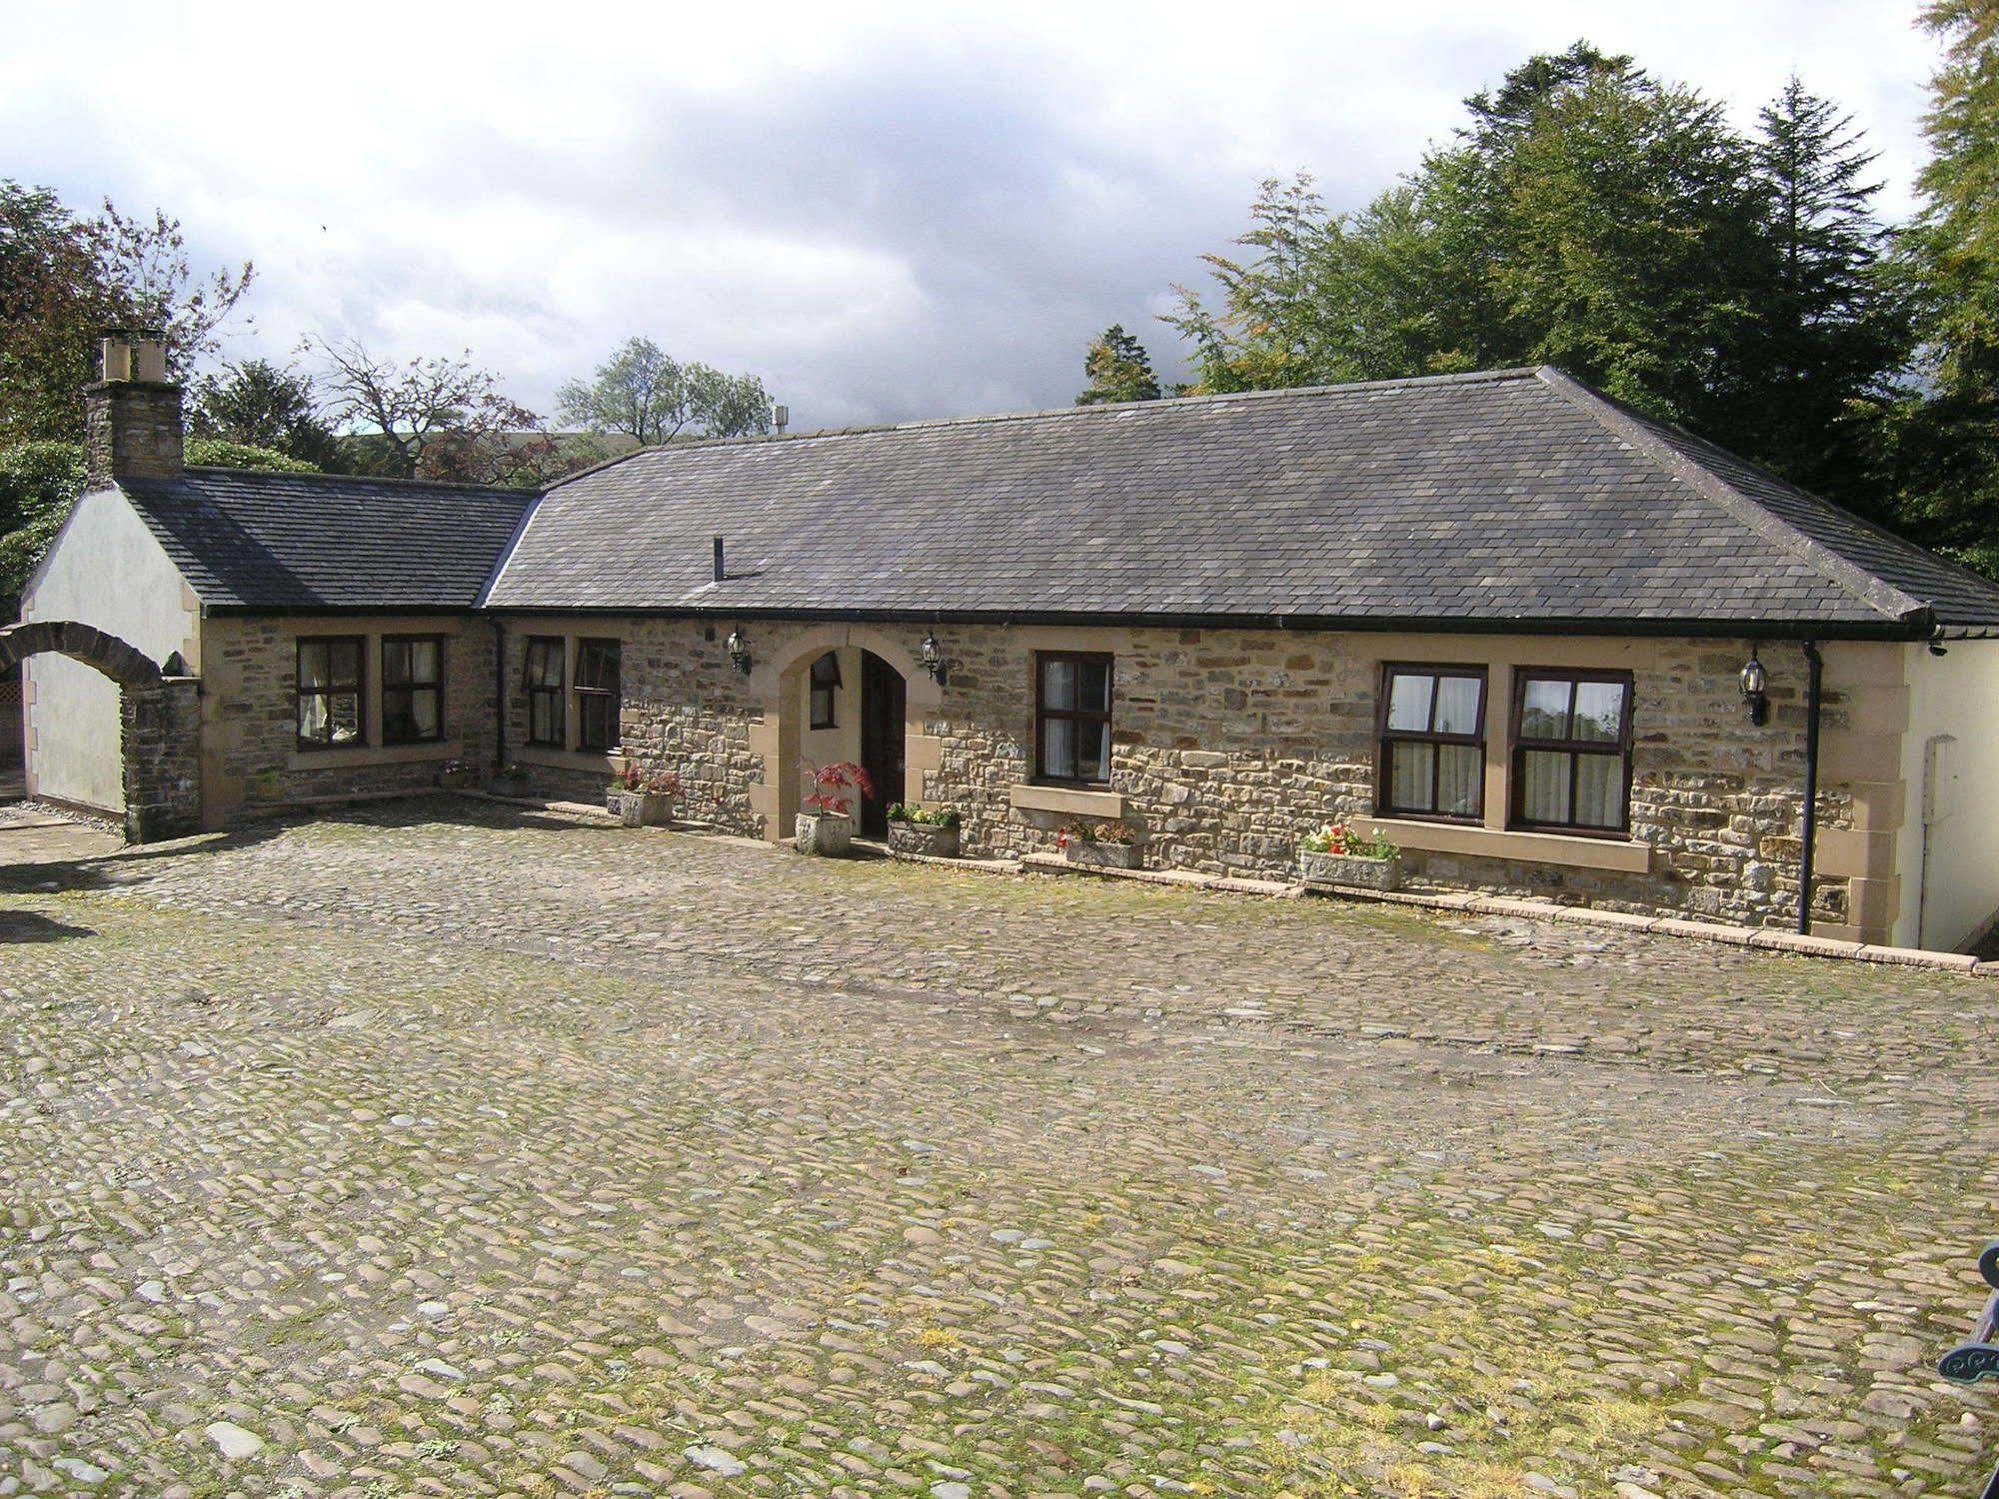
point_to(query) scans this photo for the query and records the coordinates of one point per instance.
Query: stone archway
(159, 722)
(778, 684)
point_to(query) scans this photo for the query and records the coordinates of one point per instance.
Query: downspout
(1808, 844)
(499, 693)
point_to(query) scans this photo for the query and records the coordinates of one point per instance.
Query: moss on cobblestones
(463, 1156)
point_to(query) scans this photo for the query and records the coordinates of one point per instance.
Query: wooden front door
(882, 707)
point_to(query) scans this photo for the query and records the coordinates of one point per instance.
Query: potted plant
(642, 799)
(922, 830)
(1100, 845)
(453, 774)
(509, 780)
(825, 825)
(1336, 854)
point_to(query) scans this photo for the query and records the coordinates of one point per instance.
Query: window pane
(395, 662)
(1058, 684)
(1093, 686)
(1093, 749)
(312, 663)
(1058, 747)
(826, 671)
(1409, 701)
(1457, 705)
(1410, 767)
(1599, 711)
(344, 714)
(425, 661)
(1544, 710)
(312, 719)
(1460, 779)
(1544, 791)
(597, 721)
(1599, 790)
(597, 664)
(545, 718)
(346, 658)
(544, 663)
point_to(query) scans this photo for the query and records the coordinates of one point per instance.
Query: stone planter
(514, 786)
(935, 840)
(453, 780)
(1351, 870)
(1102, 855)
(639, 809)
(830, 835)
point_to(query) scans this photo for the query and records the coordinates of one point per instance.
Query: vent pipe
(721, 569)
(783, 415)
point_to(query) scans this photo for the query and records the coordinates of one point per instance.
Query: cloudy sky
(887, 211)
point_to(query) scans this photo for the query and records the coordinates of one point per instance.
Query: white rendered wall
(107, 570)
(1947, 896)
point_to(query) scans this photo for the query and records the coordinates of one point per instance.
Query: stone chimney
(131, 415)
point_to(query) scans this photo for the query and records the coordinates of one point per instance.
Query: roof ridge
(1610, 414)
(921, 424)
(280, 473)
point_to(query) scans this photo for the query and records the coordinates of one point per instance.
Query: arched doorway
(846, 692)
(158, 731)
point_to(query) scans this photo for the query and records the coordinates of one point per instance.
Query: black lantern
(933, 659)
(1755, 689)
(739, 650)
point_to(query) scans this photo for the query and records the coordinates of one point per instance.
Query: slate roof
(1510, 499)
(254, 540)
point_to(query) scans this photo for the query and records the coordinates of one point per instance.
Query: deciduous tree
(648, 395)
(1118, 369)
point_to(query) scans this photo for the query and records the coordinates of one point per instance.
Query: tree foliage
(1118, 369)
(258, 404)
(430, 418)
(648, 395)
(39, 482)
(1591, 216)
(64, 279)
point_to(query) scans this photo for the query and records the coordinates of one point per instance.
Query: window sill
(609, 762)
(1620, 855)
(374, 754)
(1074, 800)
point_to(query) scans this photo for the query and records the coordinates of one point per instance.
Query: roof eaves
(1874, 592)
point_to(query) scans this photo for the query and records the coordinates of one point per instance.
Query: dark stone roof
(249, 539)
(1512, 498)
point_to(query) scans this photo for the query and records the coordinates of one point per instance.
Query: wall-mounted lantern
(1755, 689)
(933, 659)
(739, 650)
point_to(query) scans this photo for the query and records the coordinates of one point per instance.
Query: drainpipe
(1808, 844)
(499, 694)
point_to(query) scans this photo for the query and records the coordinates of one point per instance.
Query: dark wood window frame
(357, 688)
(1574, 748)
(554, 695)
(1043, 713)
(823, 694)
(435, 688)
(593, 696)
(1385, 736)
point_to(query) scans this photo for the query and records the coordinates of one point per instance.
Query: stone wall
(686, 708)
(161, 731)
(1230, 744)
(251, 759)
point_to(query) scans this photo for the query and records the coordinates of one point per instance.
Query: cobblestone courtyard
(447, 1150)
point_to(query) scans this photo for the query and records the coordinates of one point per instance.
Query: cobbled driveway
(445, 1150)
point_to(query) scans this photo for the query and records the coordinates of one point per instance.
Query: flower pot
(830, 835)
(452, 780)
(1352, 870)
(1102, 855)
(933, 840)
(639, 809)
(513, 786)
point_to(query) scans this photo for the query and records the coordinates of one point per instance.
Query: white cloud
(887, 211)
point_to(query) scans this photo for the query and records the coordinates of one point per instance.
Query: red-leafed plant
(836, 786)
(647, 782)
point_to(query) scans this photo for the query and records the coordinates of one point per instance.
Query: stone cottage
(1542, 643)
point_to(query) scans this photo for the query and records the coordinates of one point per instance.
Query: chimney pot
(132, 414)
